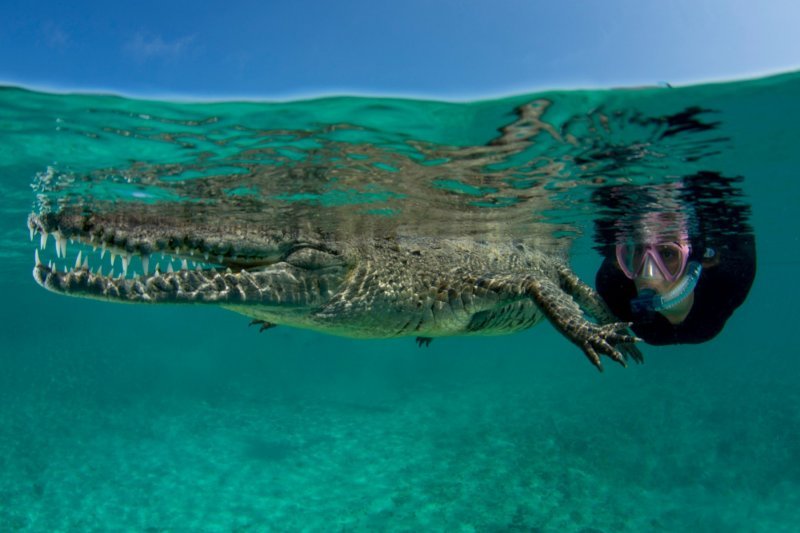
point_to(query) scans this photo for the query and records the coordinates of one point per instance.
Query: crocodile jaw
(184, 286)
(258, 278)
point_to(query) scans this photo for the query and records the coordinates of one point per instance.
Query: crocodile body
(367, 288)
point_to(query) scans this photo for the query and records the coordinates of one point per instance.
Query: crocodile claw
(629, 350)
(424, 341)
(597, 340)
(263, 323)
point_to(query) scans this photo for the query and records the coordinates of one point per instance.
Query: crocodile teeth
(96, 247)
(62, 244)
(57, 236)
(32, 232)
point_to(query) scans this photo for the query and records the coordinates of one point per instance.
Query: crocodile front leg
(567, 316)
(593, 304)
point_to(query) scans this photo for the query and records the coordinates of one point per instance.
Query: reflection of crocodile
(383, 284)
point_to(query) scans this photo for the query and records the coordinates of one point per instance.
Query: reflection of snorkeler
(677, 289)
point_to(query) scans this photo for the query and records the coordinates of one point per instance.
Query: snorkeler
(673, 288)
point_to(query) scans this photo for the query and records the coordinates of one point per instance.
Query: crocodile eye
(313, 258)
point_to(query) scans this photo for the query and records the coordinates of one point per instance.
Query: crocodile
(367, 284)
(362, 288)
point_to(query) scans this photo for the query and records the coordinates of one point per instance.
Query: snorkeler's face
(676, 313)
(659, 267)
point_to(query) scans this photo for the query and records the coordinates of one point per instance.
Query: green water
(164, 418)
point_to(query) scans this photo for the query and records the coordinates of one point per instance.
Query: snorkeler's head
(695, 306)
(679, 258)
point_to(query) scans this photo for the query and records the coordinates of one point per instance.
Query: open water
(181, 418)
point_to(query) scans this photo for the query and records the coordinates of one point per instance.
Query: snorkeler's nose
(650, 270)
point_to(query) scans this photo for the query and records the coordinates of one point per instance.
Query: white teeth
(126, 259)
(57, 236)
(32, 232)
(113, 257)
(85, 265)
(177, 250)
(99, 271)
(184, 266)
(228, 270)
(169, 268)
(50, 265)
(36, 257)
(206, 256)
(43, 240)
(103, 251)
(61, 242)
(145, 264)
(78, 260)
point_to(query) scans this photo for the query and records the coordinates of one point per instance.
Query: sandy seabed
(400, 443)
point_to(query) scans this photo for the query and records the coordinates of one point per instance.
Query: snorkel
(649, 301)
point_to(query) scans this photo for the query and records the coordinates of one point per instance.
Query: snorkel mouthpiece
(649, 301)
(644, 302)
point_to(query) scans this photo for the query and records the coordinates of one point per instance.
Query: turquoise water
(182, 418)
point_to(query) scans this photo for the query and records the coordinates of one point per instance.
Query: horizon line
(444, 96)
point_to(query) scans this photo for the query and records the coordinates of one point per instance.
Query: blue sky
(443, 49)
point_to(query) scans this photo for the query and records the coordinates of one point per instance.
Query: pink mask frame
(633, 271)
